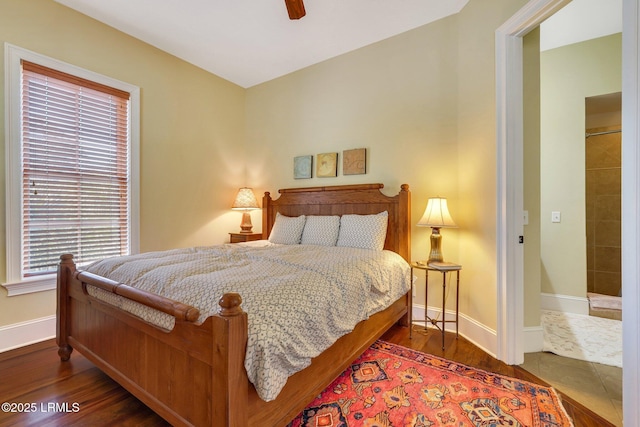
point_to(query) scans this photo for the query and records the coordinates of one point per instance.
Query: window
(72, 185)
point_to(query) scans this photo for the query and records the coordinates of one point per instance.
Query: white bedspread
(299, 298)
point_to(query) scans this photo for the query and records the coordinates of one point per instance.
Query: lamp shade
(245, 200)
(436, 214)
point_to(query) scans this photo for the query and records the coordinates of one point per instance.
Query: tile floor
(596, 386)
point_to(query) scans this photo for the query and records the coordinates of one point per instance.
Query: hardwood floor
(35, 375)
(77, 393)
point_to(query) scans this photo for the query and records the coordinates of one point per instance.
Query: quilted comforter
(299, 298)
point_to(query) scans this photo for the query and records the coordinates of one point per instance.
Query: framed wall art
(327, 165)
(354, 162)
(302, 167)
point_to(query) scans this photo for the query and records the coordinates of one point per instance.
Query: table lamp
(436, 216)
(245, 201)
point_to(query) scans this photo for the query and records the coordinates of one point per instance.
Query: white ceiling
(581, 20)
(252, 41)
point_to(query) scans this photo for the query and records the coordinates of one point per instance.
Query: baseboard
(533, 336)
(564, 303)
(25, 333)
(480, 335)
(533, 339)
(486, 338)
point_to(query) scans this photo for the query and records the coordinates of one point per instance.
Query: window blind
(75, 181)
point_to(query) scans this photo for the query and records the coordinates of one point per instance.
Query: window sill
(29, 286)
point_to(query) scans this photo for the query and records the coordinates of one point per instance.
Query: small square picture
(354, 162)
(327, 165)
(302, 167)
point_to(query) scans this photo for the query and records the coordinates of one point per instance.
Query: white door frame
(509, 134)
(631, 212)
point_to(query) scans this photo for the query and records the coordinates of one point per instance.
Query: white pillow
(363, 231)
(287, 230)
(321, 230)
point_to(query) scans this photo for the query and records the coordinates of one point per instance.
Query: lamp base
(435, 254)
(246, 225)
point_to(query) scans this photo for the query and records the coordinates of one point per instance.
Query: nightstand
(444, 268)
(244, 237)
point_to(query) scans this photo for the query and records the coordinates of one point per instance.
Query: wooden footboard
(192, 375)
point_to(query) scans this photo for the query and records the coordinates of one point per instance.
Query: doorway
(509, 187)
(568, 75)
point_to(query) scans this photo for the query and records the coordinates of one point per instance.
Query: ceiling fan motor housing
(295, 8)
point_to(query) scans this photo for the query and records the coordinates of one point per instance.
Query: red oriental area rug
(390, 385)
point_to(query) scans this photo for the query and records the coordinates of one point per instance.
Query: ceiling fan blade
(295, 8)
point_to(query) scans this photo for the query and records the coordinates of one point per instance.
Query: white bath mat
(583, 337)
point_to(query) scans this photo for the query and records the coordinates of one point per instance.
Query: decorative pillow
(321, 230)
(287, 230)
(363, 231)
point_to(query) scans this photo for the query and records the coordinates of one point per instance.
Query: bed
(194, 374)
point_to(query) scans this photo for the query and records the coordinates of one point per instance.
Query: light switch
(525, 218)
(555, 216)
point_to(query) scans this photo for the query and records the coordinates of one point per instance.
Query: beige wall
(192, 129)
(568, 76)
(423, 104)
(531, 176)
(477, 163)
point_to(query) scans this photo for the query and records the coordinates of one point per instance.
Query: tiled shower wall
(603, 210)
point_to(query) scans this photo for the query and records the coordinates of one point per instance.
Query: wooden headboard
(346, 199)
